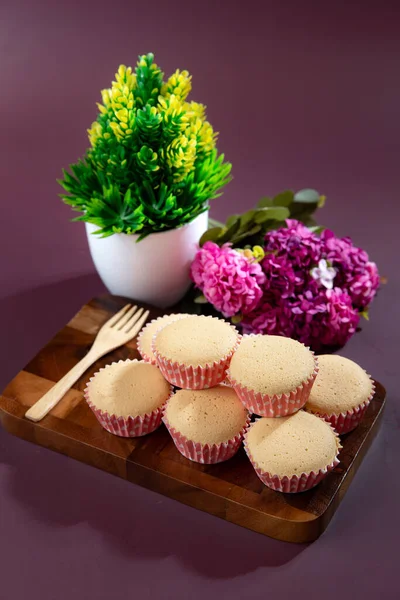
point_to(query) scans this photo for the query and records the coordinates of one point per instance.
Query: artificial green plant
(152, 164)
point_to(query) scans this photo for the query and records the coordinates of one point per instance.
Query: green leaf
(211, 235)
(265, 202)
(247, 217)
(316, 228)
(242, 236)
(307, 196)
(200, 300)
(232, 219)
(228, 233)
(278, 213)
(302, 211)
(284, 198)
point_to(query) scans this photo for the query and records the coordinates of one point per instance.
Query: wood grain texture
(229, 490)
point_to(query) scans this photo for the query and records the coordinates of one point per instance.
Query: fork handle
(51, 398)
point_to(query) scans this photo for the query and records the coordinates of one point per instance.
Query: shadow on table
(60, 492)
(30, 319)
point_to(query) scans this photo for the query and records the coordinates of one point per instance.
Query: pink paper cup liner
(277, 405)
(139, 346)
(195, 377)
(206, 454)
(346, 421)
(296, 483)
(131, 426)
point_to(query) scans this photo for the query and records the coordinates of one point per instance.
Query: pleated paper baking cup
(143, 354)
(277, 405)
(349, 420)
(191, 377)
(131, 426)
(206, 453)
(295, 483)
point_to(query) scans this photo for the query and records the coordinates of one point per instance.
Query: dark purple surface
(303, 94)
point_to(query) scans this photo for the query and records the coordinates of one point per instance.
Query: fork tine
(128, 324)
(111, 322)
(135, 330)
(135, 325)
(126, 318)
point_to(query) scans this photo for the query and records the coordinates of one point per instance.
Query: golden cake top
(146, 337)
(129, 388)
(209, 416)
(271, 364)
(340, 385)
(292, 445)
(196, 340)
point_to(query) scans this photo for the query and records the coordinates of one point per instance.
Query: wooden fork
(119, 330)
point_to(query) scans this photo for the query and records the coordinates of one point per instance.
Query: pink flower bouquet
(309, 287)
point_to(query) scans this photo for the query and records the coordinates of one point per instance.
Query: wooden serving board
(229, 490)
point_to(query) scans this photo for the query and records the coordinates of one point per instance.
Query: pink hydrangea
(229, 281)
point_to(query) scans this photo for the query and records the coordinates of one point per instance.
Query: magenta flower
(297, 243)
(324, 318)
(271, 316)
(355, 273)
(319, 318)
(308, 287)
(228, 280)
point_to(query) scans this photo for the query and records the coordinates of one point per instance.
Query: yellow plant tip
(198, 110)
(122, 115)
(258, 253)
(321, 201)
(121, 70)
(236, 319)
(179, 85)
(95, 133)
(105, 94)
(101, 108)
(200, 299)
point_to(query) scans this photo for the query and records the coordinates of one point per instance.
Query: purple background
(303, 94)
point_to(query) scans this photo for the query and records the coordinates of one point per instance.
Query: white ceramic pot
(154, 270)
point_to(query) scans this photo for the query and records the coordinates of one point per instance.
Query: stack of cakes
(206, 419)
(301, 405)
